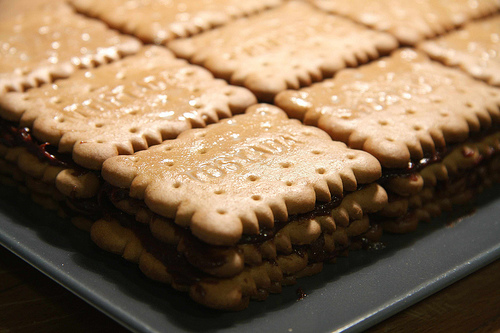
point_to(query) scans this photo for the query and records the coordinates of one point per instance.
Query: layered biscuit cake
(255, 140)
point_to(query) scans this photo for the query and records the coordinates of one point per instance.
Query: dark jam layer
(321, 209)
(470, 181)
(413, 166)
(434, 157)
(179, 265)
(196, 252)
(12, 136)
(115, 194)
(176, 263)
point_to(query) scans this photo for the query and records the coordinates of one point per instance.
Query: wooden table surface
(31, 302)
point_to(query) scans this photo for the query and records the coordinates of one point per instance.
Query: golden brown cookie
(410, 21)
(125, 106)
(51, 43)
(287, 47)
(241, 174)
(400, 109)
(157, 21)
(475, 49)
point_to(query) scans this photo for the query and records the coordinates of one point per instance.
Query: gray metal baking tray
(351, 295)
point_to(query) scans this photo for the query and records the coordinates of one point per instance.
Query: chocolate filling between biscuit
(415, 166)
(186, 267)
(468, 181)
(116, 194)
(13, 136)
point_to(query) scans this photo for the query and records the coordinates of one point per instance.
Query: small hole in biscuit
(351, 156)
(469, 105)
(219, 192)
(390, 139)
(133, 112)
(285, 165)
(288, 183)
(383, 122)
(307, 133)
(99, 125)
(228, 92)
(321, 171)
(417, 128)
(444, 114)
(100, 141)
(317, 152)
(168, 148)
(411, 111)
(177, 185)
(203, 151)
(252, 178)
(133, 130)
(61, 120)
(221, 211)
(256, 197)
(170, 163)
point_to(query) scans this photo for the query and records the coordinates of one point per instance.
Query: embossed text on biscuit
(234, 161)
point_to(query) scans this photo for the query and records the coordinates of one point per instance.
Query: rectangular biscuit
(411, 21)
(287, 47)
(400, 108)
(259, 158)
(410, 113)
(123, 107)
(41, 46)
(475, 48)
(238, 196)
(158, 22)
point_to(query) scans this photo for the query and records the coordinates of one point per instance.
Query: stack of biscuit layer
(129, 140)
